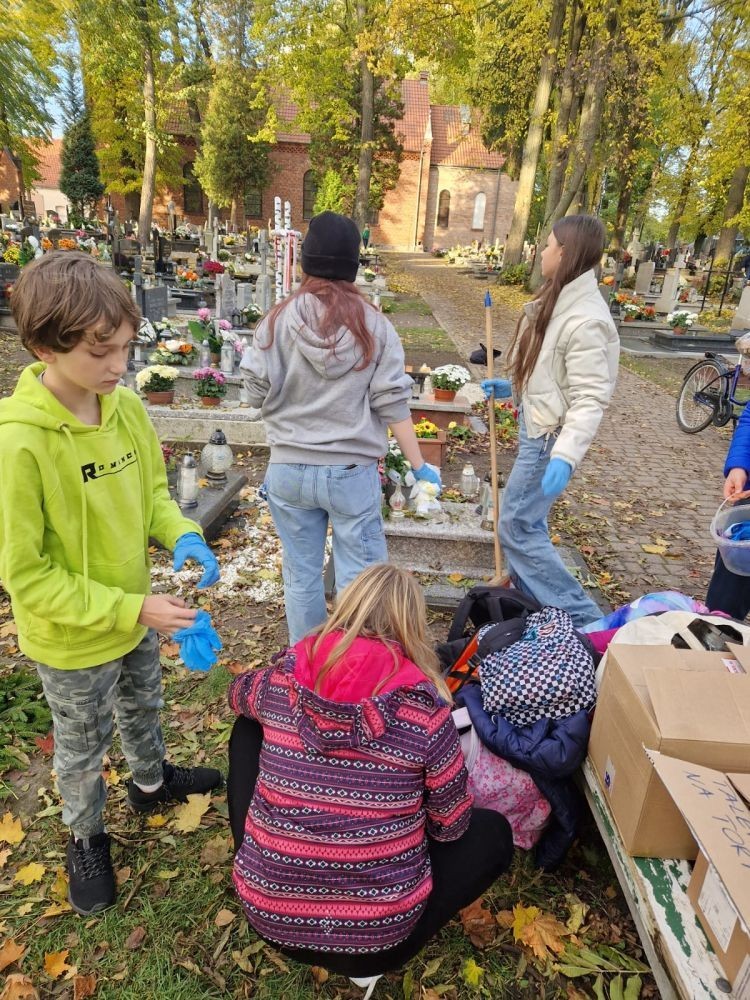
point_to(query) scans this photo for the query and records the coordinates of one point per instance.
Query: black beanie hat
(331, 247)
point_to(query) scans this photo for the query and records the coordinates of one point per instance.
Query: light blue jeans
(530, 557)
(303, 499)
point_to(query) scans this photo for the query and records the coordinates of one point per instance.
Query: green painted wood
(678, 951)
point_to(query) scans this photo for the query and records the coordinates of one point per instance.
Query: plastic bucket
(736, 555)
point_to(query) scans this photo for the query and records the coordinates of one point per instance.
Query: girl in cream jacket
(563, 367)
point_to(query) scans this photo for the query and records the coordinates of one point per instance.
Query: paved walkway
(643, 482)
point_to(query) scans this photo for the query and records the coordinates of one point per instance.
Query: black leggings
(461, 869)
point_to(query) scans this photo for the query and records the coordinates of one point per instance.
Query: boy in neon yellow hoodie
(83, 487)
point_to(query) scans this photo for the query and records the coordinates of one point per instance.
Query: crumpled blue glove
(500, 388)
(430, 474)
(192, 546)
(199, 643)
(556, 477)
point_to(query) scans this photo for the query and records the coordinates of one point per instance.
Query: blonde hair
(385, 603)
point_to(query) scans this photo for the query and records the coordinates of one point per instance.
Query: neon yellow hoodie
(77, 507)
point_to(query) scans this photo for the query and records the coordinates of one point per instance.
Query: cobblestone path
(642, 483)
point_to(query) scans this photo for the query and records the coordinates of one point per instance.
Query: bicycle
(708, 394)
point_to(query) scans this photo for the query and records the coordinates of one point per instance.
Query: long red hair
(343, 305)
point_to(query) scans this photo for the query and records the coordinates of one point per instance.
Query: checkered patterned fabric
(547, 674)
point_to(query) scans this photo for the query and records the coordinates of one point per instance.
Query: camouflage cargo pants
(84, 705)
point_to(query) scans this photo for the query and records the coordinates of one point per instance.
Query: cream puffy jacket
(574, 376)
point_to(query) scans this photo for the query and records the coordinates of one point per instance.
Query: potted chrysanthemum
(156, 382)
(210, 386)
(447, 380)
(681, 320)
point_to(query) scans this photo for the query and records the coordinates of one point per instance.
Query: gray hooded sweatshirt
(318, 406)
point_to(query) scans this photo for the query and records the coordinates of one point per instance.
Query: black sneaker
(92, 880)
(179, 782)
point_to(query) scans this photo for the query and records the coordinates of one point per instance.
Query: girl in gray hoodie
(327, 370)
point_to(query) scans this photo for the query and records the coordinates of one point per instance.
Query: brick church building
(451, 189)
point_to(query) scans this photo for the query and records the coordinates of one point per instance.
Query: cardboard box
(689, 704)
(719, 888)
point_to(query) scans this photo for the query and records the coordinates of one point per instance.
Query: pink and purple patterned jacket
(335, 855)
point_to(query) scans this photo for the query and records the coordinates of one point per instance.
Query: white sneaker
(368, 982)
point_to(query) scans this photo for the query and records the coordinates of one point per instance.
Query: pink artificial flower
(224, 324)
(204, 315)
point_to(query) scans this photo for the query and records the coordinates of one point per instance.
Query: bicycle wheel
(700, 396)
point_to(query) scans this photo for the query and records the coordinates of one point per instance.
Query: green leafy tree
(79, 179)
(27, 80)
(331, 195)
(236, 131)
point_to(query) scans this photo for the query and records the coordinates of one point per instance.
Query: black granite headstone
(154, 302)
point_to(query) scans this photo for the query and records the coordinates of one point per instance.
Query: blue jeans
(531, 558)
(303, 499)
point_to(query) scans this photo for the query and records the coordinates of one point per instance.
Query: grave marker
(643, 277)
(153, 302)
(669, 292)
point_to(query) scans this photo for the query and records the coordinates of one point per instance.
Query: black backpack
(504, 607)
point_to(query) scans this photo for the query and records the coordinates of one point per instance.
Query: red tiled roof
(412, 127)
(459, 144)
(287, 111)
(49, 165)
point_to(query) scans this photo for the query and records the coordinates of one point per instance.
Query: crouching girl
(356, 839)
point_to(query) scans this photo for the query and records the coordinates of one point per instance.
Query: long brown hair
(343, 305)
(582, 239)
(386, 603)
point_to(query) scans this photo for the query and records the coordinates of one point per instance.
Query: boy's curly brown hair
(64, 295)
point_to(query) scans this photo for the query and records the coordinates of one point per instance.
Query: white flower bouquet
(450, 377)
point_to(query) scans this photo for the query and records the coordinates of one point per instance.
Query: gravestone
(244, 294)
(643, 277)
(741, 319)
(9, 272)
(154, 302)
(669, 292)
(228, 295)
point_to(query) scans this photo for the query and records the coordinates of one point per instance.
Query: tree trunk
(234, 212)
(735, 201)
(195, 10)
(592, 110)
(149, 164)
(558, 159)
(621, 215)
(681, 204)
(534, 136)
(367, 134)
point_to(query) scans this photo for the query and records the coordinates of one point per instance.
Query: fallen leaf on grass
(18, 987)
(224, 917)
(84, 986)
(170, 649)
(30, 873)
(56, 964)
(188, 815)
(122, 875)
(8, 629)
(59, 888)
(46, 744)
(472, 974)
(215, 851)
(168, 873)
(542, 932)
(4, 855)
(11, 831)
(478, 923)
(55, 909)
(135, 939)
(11, 952)
(319, 974)
(154, 822)
(455, 577)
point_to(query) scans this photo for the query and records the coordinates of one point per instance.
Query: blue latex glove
(430, 474)
(199, 643)
(192, 546)
(556, 477)
(500, 388)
